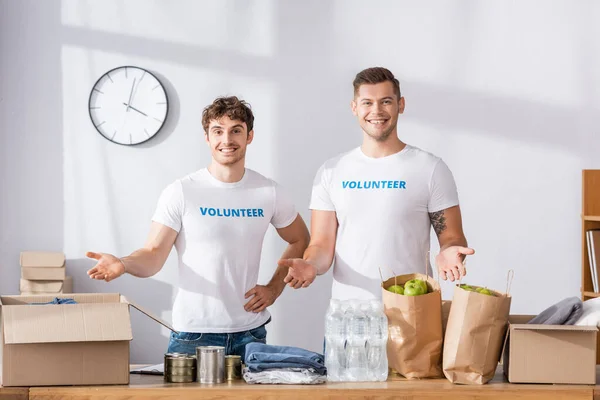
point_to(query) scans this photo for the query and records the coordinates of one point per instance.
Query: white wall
(506, 92)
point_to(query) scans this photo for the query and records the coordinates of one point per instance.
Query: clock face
(128, 105)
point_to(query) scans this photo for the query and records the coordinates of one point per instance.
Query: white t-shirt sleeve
(169, 210)
(442, 188)
(285, 211)
(320, 196)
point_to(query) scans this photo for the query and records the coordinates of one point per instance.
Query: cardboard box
(43, 266)
(68, 344)
(28, 287)
(563, 354)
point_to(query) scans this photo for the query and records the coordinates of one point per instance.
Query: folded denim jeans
(263, 357)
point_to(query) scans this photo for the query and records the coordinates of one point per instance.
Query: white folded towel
(591, 313)
(290, 376)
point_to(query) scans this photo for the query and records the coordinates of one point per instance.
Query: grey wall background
(507, 93)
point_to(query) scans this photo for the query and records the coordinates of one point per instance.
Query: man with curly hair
(217, 218)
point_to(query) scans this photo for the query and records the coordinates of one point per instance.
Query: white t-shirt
(382, 207)
(221, 230)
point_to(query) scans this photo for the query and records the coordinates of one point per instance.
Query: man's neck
(375, 149)
(227, 173)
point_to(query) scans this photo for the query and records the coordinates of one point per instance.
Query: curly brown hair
(232, 107)
(376, 75)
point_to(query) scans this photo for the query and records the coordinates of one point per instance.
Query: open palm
(301, 273)
(450, 264)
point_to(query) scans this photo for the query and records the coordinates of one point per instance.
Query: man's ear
(250, 137)
(401, 105)
(353, 107)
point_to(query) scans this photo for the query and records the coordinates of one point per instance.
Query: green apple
(485, 291)
(396, 289)
(412, 288)
(419, 282)
(467, 287)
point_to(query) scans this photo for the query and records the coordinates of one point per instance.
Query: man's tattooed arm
(447, 225)
(438, 221)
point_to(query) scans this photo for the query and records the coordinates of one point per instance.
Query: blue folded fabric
(264, 357)
(57, 301)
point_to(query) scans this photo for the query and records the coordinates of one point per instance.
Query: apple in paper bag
(415, 287)
(396, 289)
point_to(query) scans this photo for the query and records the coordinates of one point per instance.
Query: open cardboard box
(563, 354)
(67, 344)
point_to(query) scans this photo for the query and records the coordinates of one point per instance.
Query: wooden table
(14, 393)
(153, 387)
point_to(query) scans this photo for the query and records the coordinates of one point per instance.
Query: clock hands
(135, 109)
(130, 95)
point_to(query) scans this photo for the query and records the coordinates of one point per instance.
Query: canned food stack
(180, 368)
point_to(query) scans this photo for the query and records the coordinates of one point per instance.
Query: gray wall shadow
(150, 340)
(517, 119)
(31, 142)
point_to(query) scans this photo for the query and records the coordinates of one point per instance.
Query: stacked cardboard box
(44, 273)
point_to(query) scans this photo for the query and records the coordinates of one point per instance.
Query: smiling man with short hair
(217, 219)
(373, 207)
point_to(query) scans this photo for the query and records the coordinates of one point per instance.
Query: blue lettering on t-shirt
(374, 184)
(233, 212)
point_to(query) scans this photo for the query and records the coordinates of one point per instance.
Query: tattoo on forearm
(438, 221)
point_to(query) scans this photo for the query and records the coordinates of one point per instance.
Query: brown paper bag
(414, 345)
(474, 335)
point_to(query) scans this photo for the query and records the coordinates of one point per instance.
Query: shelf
(590, 219)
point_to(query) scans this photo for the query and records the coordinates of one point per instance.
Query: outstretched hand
(107, 268)
(449, 262)
(300, 274)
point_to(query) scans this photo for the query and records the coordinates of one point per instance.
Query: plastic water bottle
(357, 334)
(365, 307)
(335, 338)
(377, 345)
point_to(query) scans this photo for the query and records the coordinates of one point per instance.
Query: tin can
(211, 364)
(180, 368)
(233, 367)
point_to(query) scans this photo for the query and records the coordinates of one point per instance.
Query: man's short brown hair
(375, 75)
(232, 107)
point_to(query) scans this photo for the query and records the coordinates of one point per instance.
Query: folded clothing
(565, 312)
(57, 301)
(289, 376)
(263, 357)
(591, 313)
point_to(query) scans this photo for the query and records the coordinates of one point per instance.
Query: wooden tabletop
(14, 393)
(153, 387)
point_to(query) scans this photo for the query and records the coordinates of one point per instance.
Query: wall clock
(128, 105)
